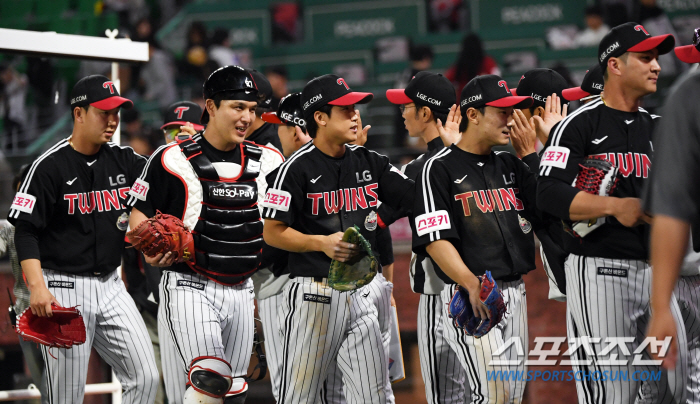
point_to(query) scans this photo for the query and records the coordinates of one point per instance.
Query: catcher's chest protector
(221, 210)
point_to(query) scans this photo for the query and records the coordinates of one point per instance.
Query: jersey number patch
(24, 202)
(140, 189)
(277, 199)
(555, 156)
(433, 221)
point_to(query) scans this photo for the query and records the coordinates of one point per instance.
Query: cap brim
(196, 126)
(272, 117)
(513, 91)
(516, 101)
(574, 94)
(113, 102)
(688, 54)
(398, 96)
(353, 98)
(664, 43)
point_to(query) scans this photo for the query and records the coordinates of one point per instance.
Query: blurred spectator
(616, 13)
(130, 11)
(286, 22)
(40, 73)
(13, 94)
(278, 78)
(157, 78)
(595, 27)
(472, 61)
(421, 58)
(220, 50)
(447, 15)
(197, 64)
(564, 71)
(656, 22)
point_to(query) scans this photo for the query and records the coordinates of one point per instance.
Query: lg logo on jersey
(366, 177)
(121, 180)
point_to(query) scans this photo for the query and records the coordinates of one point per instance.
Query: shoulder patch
(555, 156)
(140, 189)
(277, 199)
(23, 202)
(432, 221)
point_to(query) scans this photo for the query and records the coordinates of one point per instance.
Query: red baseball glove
(162, 234)
(63, 330)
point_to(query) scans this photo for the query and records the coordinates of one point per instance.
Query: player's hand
(393, 301)
(522, 134)
(553, 113)
(628, 211)
(188, 129)
(337, 249)
(474, 290)
(361, 133)
(40, 300)
(449, 131)
(161, 260)
(301, 137)
(661, 326)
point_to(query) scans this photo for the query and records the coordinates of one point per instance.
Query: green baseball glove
(359, 270)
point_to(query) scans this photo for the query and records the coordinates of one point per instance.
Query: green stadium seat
(18, 9)
(86, 6)
(52, 8)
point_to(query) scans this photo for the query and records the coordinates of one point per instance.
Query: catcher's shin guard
(238, 392)
(209, 380)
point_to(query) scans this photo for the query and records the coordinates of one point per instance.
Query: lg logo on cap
(342, 81)
(180, 110)
(110, 85)
(640, 28)
(503, 84)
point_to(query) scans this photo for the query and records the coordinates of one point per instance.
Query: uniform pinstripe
(114, 328)
(443, 375)
(267, 310)
(199, 317)
(476, 354)
(603, 305)
(379, 292)
(335, 324)
(688, 294)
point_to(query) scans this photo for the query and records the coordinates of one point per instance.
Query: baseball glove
(359, 270)
(462, 313)
(162, 234)
(63, 330)
(598, 176)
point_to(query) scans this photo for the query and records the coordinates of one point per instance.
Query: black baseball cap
(540, 83)
(99, 92)
(426, 89)
(631, 37)
(690, 53)
(288, 112)
(181, 113)
(264, 88)
(236, 81)
(592, 84)
(329, 89)
(490, 90)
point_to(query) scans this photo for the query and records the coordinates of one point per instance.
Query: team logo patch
(123, 222)
(371, 221)
(140, 189)
(555, 156)
(619, 272)
(308, 297)
(525, 226)
(23, 202)
(190, 284)
(277, 199)
(62, 284)
(433, 221)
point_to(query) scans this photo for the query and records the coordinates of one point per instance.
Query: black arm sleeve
(27, 241)
(555, 197)
(533, 162)
(385, 247)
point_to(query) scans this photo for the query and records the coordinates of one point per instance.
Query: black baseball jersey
(625, 139)
(318, 194)
(78, 204)
(482, 204)
(266, 135)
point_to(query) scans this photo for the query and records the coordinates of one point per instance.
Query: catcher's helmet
(234, 79)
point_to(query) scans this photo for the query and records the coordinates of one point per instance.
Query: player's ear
(539, 111)
(320, 118)
(614, 66)
(79, 114)
(473, 116)
(211, 107)
(426, 114)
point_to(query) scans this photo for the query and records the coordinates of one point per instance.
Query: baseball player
(70, 215)
(205, 318)
(325, 187)
(428, 98)
(474, 212)
(590, 89)
(262, 132)
(288, 118)
(672, 202)
(178, 114)
(607, 275)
